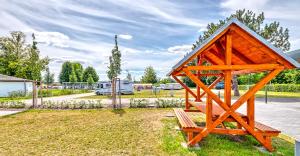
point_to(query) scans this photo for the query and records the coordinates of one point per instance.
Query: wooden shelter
(233, 49)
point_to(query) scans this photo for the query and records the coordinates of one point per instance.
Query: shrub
(16, 94)
(12, 104)
(72, 104)
(138, 103)
(276, 87)
(169, 103)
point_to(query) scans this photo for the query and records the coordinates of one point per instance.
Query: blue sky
(156, 33)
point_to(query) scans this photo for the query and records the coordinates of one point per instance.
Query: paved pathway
(9, 112)
(281, 115)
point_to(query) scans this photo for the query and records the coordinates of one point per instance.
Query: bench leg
(268, 143)
(190, 136)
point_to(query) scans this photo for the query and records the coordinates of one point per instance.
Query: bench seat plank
(184, 120)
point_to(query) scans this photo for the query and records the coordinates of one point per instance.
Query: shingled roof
(6, 78)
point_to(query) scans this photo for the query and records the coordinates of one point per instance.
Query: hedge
(276, 87)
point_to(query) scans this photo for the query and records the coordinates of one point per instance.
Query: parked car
(220, 85)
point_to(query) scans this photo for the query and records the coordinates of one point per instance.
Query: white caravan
(171, 86)
(104, 88)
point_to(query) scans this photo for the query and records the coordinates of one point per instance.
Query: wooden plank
(235, 67)
(250, 111)
(202, 74)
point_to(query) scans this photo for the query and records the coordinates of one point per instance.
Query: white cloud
(125, 36)
(56, 39)
(180, 49)
(254, 5)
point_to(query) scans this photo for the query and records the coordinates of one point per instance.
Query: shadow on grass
(120, 112)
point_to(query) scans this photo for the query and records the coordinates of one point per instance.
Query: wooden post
(208, 111)
(198, 99)
(250, 111)
(34, 94)
(187, 105)
(227, 77)
(41, 92)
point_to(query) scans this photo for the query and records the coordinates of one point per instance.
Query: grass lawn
(52, 92)
(181, 94)
(107, 132)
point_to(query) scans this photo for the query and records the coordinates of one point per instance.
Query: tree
(90, 71)
(20, 59)
(149, 75)
(90, 80)
(72, 76)
(275, 34)
(48, 77)
(128, 77)
(66, 71)
(166, 80)
(114, 68)
(78, 70)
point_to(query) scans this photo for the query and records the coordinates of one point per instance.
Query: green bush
(72, 104)
(276, 87)
(12, 104)
(16, 94)
(138, 103)
(169, 103)
(58, 92)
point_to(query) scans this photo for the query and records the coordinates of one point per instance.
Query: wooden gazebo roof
(247, 48)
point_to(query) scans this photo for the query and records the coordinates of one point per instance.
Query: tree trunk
(235, 86)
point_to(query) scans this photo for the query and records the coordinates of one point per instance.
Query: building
(295, 55)
(12, 85)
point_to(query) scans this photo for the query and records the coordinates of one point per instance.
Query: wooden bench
(217, 111)
(186, 123)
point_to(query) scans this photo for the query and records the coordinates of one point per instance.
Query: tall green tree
(149, 75)
(48, 77)
(90, 81)
(272, 31)
(78, 70)
(114, 68)
(72, 76)
(66, 71)
(35, 65)
(90, 71)
(20, 59)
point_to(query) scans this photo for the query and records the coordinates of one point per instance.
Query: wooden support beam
(202, 74)
(211, 56)
(235, 67)
(187, 105)
(208, 111)
(250, 111)
(184, 86)
(227, 76)
(266, 50)
(199, 63)
(212, 85)
(205, 89)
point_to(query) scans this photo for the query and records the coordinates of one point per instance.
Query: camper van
(170, 86)
(104, 88)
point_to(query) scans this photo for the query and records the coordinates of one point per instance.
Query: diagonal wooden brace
(185, 87)
(233, 108)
